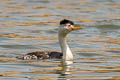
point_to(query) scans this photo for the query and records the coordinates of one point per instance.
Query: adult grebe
(65, 27)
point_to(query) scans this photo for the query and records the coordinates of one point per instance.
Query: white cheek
(71, 26)
(66, 27)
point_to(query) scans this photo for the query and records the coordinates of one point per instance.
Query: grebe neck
(67, 53)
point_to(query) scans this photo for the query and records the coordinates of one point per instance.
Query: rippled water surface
(30, 25)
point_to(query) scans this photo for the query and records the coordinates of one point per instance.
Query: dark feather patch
(38, 55)
(65, 21)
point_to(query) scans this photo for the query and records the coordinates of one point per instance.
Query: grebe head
(67, 26)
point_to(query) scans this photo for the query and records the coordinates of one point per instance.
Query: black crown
(65, 21)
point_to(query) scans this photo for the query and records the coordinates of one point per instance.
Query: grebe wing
(39, 55)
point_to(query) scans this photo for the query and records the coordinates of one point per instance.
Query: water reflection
(108, 30)
(66, 65)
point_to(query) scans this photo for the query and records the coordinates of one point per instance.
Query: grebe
(66, 26)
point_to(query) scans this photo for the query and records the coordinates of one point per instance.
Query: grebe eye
(69, 25)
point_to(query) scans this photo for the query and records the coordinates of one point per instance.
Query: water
(28, 25)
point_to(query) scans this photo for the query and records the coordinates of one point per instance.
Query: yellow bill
(77, 28)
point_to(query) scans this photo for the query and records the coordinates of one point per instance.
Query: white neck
(67, 54)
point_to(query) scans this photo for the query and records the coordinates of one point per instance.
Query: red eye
(69, 25)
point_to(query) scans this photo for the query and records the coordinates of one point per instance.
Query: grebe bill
(66, 26)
